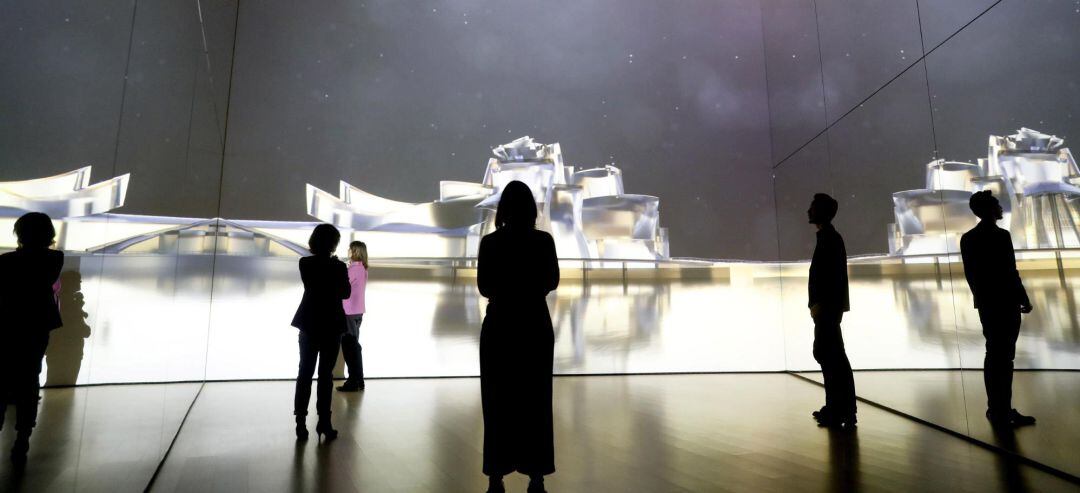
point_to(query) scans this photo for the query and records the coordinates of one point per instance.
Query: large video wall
(675, 148)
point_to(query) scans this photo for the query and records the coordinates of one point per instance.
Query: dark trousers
(1001, 329)
(350, 349)
(323, 349)
(835, 368)
(20, 376)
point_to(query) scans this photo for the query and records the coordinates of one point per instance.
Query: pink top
(354, 304)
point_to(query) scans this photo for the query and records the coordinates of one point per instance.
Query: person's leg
(995, 364)
(350, 352)
(357, 373)
(328, 354)
(29, 384)
(823, 346)
(845, 379)
(308, 357)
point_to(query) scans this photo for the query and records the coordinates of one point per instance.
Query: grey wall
(395, 96)
(863, 94)
(128, 87)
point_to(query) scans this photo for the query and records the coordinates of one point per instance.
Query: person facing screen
(321, 320)
(28, 302)
(354, 315)
(828, 293)
(516, 268)
(1000, 298)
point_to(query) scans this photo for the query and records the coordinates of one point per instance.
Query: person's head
(985, 206)
(822, 209)
(517, 208)
(35, 230)
(324, 240)
(358, 252)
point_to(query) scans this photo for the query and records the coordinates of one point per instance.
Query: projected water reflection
(146, 320)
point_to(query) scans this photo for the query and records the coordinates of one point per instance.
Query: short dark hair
(983, 203)
(35, 230)
(324, 239)
(825, 206)
(517, 207)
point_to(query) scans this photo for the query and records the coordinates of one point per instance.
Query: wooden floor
(702, 433)
(746, 432)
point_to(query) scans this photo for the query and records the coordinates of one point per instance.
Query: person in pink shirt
(354, 314)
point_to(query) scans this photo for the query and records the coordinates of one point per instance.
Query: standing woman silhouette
(321, 321)
(517, 268)
(28, 302)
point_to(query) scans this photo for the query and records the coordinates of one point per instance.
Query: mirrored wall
(889, 107)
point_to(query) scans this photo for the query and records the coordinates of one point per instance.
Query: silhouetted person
(67, 344)
(354, 315)
(321, 321)
(517, 268)
(30, 312)
(990, 268)
(828, 290)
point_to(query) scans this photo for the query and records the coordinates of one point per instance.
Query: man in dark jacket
(990, 268)
(828, 289)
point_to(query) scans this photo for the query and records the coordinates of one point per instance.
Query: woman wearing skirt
(517, 268)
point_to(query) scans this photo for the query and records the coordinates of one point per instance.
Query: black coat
(326, 283)
(990, 267)
(828, 284)
(26, 294)
(516, 270)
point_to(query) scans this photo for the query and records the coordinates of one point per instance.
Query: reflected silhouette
(516, 269)
(65, 354)
(1012, 477)
(828, 293)
(28, 300)
(844, 474)
(1000, 298)
(321, 320)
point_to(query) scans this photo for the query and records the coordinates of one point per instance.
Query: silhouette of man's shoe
(20, 449)
(350, 386)
(1020, 419)
(495, 485)
(1011, 419)
(301, 428)
(837, 422)
(536, 485)
(323, 428)
(821, 413)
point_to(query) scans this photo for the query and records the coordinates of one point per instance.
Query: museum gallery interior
(565, 246)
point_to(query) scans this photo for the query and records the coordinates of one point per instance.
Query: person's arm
(305, 273)
(483, 274)
(551, 273)
(55, 266)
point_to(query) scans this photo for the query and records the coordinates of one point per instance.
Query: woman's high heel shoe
(301, 428)
(324, 429)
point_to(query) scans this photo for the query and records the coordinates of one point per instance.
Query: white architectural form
(1033, 176)
(586, 211)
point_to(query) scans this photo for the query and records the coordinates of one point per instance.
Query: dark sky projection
(395, 96)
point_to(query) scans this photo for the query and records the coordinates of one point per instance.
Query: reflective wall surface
(862, 98)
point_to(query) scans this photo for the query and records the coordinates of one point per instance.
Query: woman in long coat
(517, 268)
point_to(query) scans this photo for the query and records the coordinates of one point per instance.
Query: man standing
(990, 268)
(828, 288)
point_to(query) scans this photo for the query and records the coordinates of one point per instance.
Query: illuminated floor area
(746, 432)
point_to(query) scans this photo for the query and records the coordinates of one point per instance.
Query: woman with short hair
(28, 303)
(321, 321)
